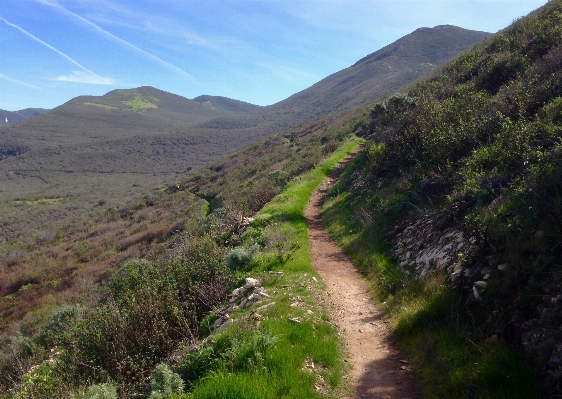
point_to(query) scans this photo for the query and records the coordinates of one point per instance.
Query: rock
(475, 295)
(503, 267)
(480, 285)
(251, 283)
(265, 306)
(225, 325)
(218, 322)
(254, 297)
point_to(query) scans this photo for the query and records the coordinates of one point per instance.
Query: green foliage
(266, 360)
(100, 391)
(237, 350)
(240, 257)
(40, 381)
(165, 383)
(62, 321)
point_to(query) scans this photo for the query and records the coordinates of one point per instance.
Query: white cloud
(83, 77)
(4, 77)
(48, 46)
(117, 39)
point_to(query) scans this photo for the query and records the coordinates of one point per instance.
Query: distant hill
(227, 104)
(12, 118)
(102, 149)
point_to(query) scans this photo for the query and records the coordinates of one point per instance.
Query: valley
(156, 246)
(127, 142)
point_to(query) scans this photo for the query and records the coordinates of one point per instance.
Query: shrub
(62, 320)
(100, 391)
(165, 382)
(240, 257)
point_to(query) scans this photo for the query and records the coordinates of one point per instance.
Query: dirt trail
(379, 370)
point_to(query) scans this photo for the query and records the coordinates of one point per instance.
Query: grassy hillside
(226, 104)
(101, 149)
(453, 210)
(62, 261)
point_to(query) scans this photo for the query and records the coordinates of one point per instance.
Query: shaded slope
(12, 118)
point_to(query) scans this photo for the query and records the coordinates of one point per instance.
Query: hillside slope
(226, 104)
(373, 77)
(104, 149)
(12, 118)
(461, 180)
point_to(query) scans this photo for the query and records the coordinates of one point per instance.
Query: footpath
(378, 369)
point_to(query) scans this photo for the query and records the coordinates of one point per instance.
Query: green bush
(240, 257)
(165, 383)
(101, 391)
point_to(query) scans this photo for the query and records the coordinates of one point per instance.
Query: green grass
(280, 372)
(104, 106)
(40, 201)
(141, 103)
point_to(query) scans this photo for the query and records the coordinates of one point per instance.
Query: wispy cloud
(4, 77)
(50, 47)
(146, 54)
(83, 77)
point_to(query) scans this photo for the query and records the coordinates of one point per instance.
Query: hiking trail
(378, 370)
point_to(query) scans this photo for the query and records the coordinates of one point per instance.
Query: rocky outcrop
(426, 247)
(423, 248)
(250, 294)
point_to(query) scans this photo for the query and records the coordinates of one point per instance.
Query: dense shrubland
(476, 146)
(100, 306)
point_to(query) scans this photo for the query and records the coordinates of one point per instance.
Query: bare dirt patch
(378, 370)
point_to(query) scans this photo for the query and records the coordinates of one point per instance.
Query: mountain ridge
(104, 148)
(12, 118)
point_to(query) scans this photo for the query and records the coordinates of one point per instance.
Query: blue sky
(256, 51)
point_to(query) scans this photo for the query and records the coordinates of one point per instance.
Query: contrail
(118, 39)
(2, 76)
(48, 46)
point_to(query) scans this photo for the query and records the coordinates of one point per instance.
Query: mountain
(106, 148)
(226, 104)
(371, 78)
(12, 118)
